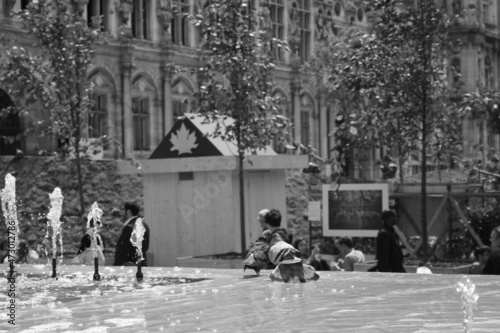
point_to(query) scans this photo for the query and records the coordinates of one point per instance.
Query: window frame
(304, 12)
(179, 26)
(98, 115)
(140, 20)
(141, 117)
(277, 14)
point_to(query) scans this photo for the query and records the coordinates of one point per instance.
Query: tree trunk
(439, 169)
(241, 179)
(423, 194)
(400, 164)
(78, 162)
(400, 157)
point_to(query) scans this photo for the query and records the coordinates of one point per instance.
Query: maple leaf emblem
(183, 141)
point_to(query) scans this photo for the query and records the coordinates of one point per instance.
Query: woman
(314, 259)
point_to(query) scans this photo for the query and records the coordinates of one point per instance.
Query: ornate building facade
(139, 94)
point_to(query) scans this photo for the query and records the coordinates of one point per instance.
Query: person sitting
(314, 259)
(481, 254)
(350, 256)
(85, 254)
(492, 266)
(272, 223)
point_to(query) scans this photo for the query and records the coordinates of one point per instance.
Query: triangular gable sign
(185, 140)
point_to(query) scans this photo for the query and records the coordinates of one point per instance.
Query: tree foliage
(235, 75)
(391, 82)
(53, 74)
(484, 104)
(236, 81)
(396, 80)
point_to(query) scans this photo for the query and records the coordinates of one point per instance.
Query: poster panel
(354, 209)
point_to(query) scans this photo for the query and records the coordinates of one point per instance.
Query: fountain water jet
(54, 221)
(8, 198)
(136, 239)
(95, 215)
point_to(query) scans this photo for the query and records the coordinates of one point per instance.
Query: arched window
(10, 126)
(179, 25)
(143, 95)
(140, 19)
(98, 118)
(337, 8)
(100, 113)
(182, 98)
(97, 9)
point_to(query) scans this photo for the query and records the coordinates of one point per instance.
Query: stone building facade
(140, 90)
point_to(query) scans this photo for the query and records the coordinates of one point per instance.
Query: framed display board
(354, 209)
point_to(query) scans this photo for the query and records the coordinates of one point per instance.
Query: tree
(399, 71)
(55, 78)
(236, 80)
(483, 103)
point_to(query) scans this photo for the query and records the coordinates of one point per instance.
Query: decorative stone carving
(455, 68)
(127, 65)
(455, 46)
(320, 29)
(167, 70)
(79, 6)
(266, 24)
(199, 6)
(351, 14)
(164, 14)
(124, 8)
(296, 81)
(294, 30)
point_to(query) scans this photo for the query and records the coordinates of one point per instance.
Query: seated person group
(346, 259)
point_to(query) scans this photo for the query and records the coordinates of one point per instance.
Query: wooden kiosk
(191, 191)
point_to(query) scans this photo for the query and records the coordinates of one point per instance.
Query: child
(85, 255)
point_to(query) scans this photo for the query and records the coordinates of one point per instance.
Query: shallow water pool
(218, 300)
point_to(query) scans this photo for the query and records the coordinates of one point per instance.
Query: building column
(323, 128)
(295, 88)
(167, 72)
(113, 19)
(117, 128)
(127, 121)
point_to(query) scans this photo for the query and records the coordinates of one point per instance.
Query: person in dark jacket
(126, 253)
(388, 252)
(492, 266)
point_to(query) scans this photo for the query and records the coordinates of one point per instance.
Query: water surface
(217, 300)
